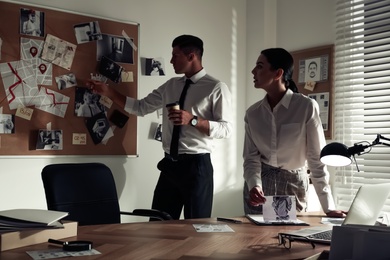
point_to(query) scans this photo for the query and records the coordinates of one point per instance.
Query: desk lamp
(337, 154)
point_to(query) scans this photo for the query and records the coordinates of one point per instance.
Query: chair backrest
(86, 190)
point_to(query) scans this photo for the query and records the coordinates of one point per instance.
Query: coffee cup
(174, 106)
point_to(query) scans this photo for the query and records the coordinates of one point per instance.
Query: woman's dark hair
(279, 58)
(188, 44)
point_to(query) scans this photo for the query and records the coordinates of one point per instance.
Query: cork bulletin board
(314, 77)
(47, 55)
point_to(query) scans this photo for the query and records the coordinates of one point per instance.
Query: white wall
(305, 24)
(234, 33)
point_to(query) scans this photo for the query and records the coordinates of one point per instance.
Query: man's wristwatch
(194, 121)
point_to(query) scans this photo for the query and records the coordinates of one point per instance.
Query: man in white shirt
(186, 180)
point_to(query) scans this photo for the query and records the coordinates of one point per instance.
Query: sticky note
(127, 76)
(310, 85)
(105, 101)
(79, 139)
(24, 112)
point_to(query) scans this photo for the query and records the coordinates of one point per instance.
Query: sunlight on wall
(228, 185)
(231, 152)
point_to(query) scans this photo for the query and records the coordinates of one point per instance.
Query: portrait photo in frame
(313, 69)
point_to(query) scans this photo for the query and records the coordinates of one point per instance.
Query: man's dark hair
(188, 44)
(313, 62)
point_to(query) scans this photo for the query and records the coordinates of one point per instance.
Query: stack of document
(24, 219)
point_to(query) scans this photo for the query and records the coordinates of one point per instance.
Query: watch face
(194, 121)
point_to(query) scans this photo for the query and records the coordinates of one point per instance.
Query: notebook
(22, 219)
(259, 220)
(364, 210)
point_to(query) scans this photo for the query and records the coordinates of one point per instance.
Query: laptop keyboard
(326, 235)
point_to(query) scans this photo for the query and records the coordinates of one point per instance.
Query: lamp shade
(335, 154)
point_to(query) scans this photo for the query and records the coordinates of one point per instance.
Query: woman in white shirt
(282, 132)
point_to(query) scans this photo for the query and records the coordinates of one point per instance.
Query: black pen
(229, 220)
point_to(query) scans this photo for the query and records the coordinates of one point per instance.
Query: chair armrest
(152, 213)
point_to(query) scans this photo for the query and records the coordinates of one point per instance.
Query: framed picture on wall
(313, 75)
(313, 69)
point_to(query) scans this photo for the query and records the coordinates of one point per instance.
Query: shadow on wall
(228, 202)
(119, 173)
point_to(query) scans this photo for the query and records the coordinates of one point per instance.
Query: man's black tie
(173, 151)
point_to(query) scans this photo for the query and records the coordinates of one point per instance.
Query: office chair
(88, 193)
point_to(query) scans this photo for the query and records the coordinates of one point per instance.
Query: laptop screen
(367, 204)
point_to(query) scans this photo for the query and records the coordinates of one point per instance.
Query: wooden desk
(178, 239)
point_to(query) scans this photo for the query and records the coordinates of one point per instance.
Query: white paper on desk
(259, 220)
(332, 221)
(42, 216)
(59, 253)
(280, 208)
(212, 228)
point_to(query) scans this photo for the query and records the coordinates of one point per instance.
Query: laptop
(364, 210)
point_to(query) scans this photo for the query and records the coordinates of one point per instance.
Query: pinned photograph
(118, 118)
(32, 22)
(87, 32)
(116, 48)
(323, 102)
(154, 67)
(110, 69)
(98, 77)
(280, 208)
(98, 127)
(49, 140)
(87, 103)
(58, 51)
(66, 81)
(313, 69)
(158, 133)
(7, 124)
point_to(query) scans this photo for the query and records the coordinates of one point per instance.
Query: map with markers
(30, 50)
(52, 102)
(20, 83)
(21, 80)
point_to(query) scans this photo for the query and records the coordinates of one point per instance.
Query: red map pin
(42, 68)
(33, 51)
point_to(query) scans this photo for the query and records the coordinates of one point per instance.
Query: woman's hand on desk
(256, 196)
(337, 214)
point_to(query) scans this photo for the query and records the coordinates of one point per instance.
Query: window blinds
(362, 92)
